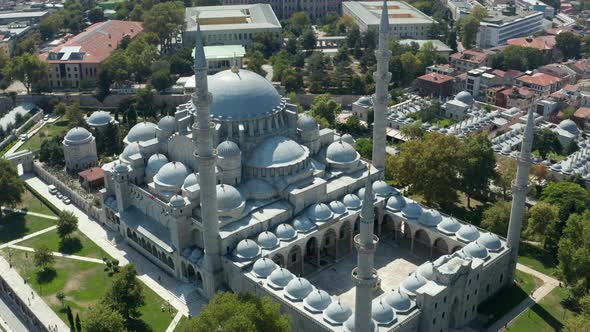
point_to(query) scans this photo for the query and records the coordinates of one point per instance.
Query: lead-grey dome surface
(267, 240)
(279, 278)
(317, 301)
(337, 207)
(78, 135)
(396, 202)
(143, 131)
(167, 123)
(191, 180)
(177, 201)
(337, 313)
(381, 188)
(298, 288)
(412, 210)
(412, 283)
(341, 152)
(448, 226)
(365, 101)
(465, 97)
(302, 224)
(285, 232)
(399, 301)
(426, 270)
(347, 138)
(430, 218)
(475, 250)
(319, 212)
(156, 161)
(99, 118)
(263, 267)
(172, 174)
(307, 123)
(467, 233)
(247, 250)
(228, 198)
(382, 313)
(277, 151)
(132, 149)
(569, 126)
(352, 201)
(241, 96)
(228, 149)
(349, 325)
(491, 241)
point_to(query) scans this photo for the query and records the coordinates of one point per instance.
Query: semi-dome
(448, 226)
(475, 250)
(381, 188)
(426, 270)
(399, 301)
(77, 135)
(365, 101)
(267, 240)
(177, 201)
(277, 151)
(337, 207)
(491, 241)
(228, 149)
(191, 180)
(337, 313)
(352, 201)
(280, 278)
(167, 123)
(347, 138)
(412, 210)
(99, 119)
(465, 97)
(285, 232)
(317, 301)
(302, 224)
(130, 150)
(172, 174)
(430, 218)
(263, 267)
(143, 131)
(467, 233)
(382, 313)
(569, 126)
(307, 123)
(298, 288)
(412, 283)
(247, 250)
(228, 198)
(319, 212)
(396, 203)
(341, 152)
(242, 95)
(155, 162)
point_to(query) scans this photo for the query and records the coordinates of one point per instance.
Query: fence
(25, 126)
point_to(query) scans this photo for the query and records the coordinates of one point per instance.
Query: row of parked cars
(53, 190)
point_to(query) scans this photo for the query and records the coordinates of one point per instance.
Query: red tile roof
(92, 174)
(98, 41)
(583, 113)
(470, 55)
(543, 43)
(541, 79)
(436, 78)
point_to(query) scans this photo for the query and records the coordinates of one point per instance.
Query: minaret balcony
(365, 248)
(373, 282)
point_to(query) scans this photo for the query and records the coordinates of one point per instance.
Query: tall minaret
(206, 157)
(381, 98)
(364, 276)
(519, 193)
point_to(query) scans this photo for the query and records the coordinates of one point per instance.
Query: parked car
(24, 137)
(52, 189)
(59, 195)
(66, 200)
(46, 117)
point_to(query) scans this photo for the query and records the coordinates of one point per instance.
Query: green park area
(55, 129)
(546, 316)
(31, 203)
(537, 258)
(16, 225)
(76, 244)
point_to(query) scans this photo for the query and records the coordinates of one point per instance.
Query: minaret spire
(381, 98)
(364, 276)
(519, 193)
(206, 157)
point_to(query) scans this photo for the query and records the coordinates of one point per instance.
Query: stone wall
(35, 118)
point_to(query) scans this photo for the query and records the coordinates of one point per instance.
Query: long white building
(499, 26)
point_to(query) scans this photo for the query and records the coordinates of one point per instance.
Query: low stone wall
(25, 126)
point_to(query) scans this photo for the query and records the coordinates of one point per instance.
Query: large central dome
(242, 95)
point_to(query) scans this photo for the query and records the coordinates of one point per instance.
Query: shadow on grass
(12, 226)
(501, 303)
(539, 254)
(547, 317)
(138, 325)
(70, 245)
(472, 215)
(46, 275)
(62, 123)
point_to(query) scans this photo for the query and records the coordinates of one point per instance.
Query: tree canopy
(12, 186)
(543, 224)
(66, 224)
(479, 165)
(568, 197)
(42, 257)
(574, 251)
(51, 151)
(324, 106)
(546, 141)
(519, 58)
(506, 172)
(496, 217)
(26, 68)
(165, 19)
(100, 318)
(569, 44)
(125, 294)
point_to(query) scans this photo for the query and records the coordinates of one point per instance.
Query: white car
(52, 189)
(24, 137)
(46, 117)
(66, 200)
(59, 195)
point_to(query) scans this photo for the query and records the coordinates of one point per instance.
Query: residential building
(11, 34)
(519, 97)
(435, 85)
(79, 58)
(405, 21)
(567, 74)
(480, 79)
(230, 25)
(285, 8)
(469, 59)
(547, 108)
(540, 83)
(582, 118)
(545, 44)
(539, 6)
(500, 26)
(444, 69)
(581, 67)
(441, 48)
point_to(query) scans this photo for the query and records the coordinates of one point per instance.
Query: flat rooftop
(236, 17)
(399, 12)
(6, 15)
(497, 18)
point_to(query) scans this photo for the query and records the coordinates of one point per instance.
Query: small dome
(426, 270)
(298, 288)
(307, 123)
(131, 150)
(172, 174)
(319, 212)
(317, 301)
(448, 226)
(490, 241)
(78, 135)
(352, 201)
(381, 188)
(267, 240)
(121, 168)
(399, 301)
(228, 149)
(569, 126)
(365, 101)
(382, 313)
(475, 250)
(341, 152)
(191, 180)
(430, 218)
(167, 123)
(302, 224)
(228, 198)
(155, 162)
(99, 119)
(277, 151)
(361, 194)
(247, 250)
(143, 131)
(347, 138)
(465, 97)
(263, 267)
(396, 203)
(279, 278)
(467, 233)
(412, 283)
(337, 313)
(177, 201)
(285, 232)
(349, 325)
(337, 207)
(412, 210)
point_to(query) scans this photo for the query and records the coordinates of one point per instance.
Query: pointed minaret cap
(200, 61)
(528, 133)
(384, 24)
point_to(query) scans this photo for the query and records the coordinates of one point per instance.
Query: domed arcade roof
(302, 224)
(297, 289)
(267, 240)
(279, 278)
(307, 123)
(448, 226)
(412, 283)
(412, 210)
(285, 232)
(430, 218)
(247, 250)
(337, 313)
(396, 202)
(263, 267)
(352, 201)
(475, 250)
(277, 151)
(156, 161)
(382, 313)
(143, 131)
(319, 212)
(317, 301)
(467, 233)
(399, 301)
(491, 241)
(337, 207)
(191, 180)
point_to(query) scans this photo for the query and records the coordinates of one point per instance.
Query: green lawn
(16, 225)
(31, 203)
(506, 299)
(537, 258)
(546, 316)
(84, 283)
(58, 128)
(182, 324)
(77, 244)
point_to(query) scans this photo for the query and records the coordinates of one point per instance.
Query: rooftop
(399, 12)
(237, 17)
(7, 15)
(541, 79)
(583, 112)
(440, 46)
(543, 43)
(223, 51)
(92, 174)
(470, 55)
(497, 18)
(436, 78)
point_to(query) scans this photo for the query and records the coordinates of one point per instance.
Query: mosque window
(445, 299)
(443, 315)
(434, 321)
(294, 257)
(467, 297)
(469, 282)
(436, 305)
(501, 277)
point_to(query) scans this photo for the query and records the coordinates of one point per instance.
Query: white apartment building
(498, 27)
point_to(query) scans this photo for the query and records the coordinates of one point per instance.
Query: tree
(67, 224)
(543, 224)
(324, 106)
(255, 60)
(51, 152)
(75, 115)
(298, 22)
(577, 323)
(240, 312)
(95, 15)
(568, 197)
(27, 69)
(468, 27)
(125, 294)
(569, 44)
(519, 58)
(160, 78)
(546, 141)
(70, 317)
(364, 146)
(308, 39)
(12, 186)
(506, 173)
(479, 165)
(78, 323)
(61, 297)
(411, 65)
(573, 251)
(165, 19)
(413, 131)
(50, 26)
(496, 217)
(43, 257)
(100, 318)
(479, 12)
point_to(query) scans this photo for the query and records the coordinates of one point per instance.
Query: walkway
(549, 284)
(41, 215)
(59, 254)
(174, 322)
(26, 237)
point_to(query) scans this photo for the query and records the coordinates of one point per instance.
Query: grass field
(546, 316)
(58, 128)
(509, 297)
(16, 225)
(537, 258)
(76, 244)
(182, 324)
(31, 203)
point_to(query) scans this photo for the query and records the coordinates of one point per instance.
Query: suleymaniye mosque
(238, 192)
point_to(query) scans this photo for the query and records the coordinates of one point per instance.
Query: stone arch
(199, 280)
(129, 234)
(357, 224)
(328, 247)
(441, 247)
(387, 228)
(295, 260)
(311, 258)
(344, 239)
(191, 274)
(422, 243)
(456, 248)
(171, 263)
(183, 269)
(279, 259)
